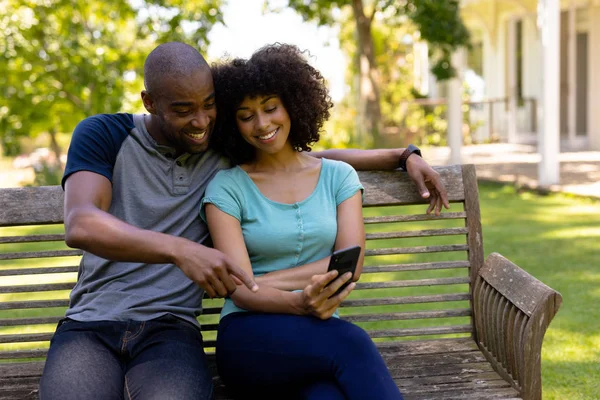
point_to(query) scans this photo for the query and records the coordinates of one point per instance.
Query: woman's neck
(286, 160)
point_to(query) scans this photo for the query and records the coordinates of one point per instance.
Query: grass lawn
(555, 238)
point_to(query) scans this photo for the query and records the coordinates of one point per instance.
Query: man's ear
(148, 102)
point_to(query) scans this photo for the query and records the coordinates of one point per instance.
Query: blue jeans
(287, 356)
(158, 359)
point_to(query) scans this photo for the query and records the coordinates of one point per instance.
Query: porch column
(594, 78)
(549, 134)
(511, 65)
(454, 113)
(572, 73)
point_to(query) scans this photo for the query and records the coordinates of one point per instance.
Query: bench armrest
(511, 312)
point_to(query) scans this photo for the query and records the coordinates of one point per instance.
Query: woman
(279, 214)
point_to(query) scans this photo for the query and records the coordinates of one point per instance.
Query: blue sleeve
(349, 183)
(225, 194)
(95, 143)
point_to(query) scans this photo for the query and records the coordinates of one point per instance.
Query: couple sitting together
(142, 195)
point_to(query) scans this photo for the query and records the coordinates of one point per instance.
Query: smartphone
(343, 261)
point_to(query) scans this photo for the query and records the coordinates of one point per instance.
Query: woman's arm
(226, 233)
(350, 232)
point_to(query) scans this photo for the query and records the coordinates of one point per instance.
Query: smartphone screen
(344, 261)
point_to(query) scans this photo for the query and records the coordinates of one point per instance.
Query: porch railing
(485, 121)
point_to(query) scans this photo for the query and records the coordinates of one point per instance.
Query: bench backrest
(416, 281)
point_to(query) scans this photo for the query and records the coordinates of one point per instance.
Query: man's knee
(79, 365)
(173, 384)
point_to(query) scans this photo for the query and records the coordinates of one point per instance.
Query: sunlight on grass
(573, 233)
(575, 347)
(555, 238)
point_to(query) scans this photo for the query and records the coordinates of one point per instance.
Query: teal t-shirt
(279, 235)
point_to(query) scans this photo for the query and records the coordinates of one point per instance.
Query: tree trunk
(54, 146)
(369, 110)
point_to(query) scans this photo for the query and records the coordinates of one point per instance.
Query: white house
(536, 59)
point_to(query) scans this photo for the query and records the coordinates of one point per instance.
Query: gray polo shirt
(151, 190)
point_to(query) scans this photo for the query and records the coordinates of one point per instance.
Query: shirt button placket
(300, 225)
(179, 177)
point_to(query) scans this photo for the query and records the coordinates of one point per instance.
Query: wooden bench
(449, 325)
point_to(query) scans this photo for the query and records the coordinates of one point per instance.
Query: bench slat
(37, 288)
(19, 305)
(414, 218)
(407, 371)
(436, 380)
(416, 266)
(412, 283)
(390, 187)
(372, 252)
(427, 346)
(30, 321)
(406, 300)
(17, 354)
(416, 250)
(26, 337)
(37, 271)
(413, 234)
(462, 357)
(436, 330)
(461, 312)
(40, 254)
(499, 393)
(40, 205)
(32, 238)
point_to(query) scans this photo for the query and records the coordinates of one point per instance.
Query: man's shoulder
(121, 122)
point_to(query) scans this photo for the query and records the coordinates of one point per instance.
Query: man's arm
(88, 226)
(427, 180)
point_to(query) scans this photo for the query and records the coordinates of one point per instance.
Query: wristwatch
(404, 156)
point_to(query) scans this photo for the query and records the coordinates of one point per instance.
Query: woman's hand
(318, 299)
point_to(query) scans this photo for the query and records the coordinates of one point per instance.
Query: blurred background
(505, 84)
(509, 85)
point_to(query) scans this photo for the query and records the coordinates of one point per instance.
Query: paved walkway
(579, 171)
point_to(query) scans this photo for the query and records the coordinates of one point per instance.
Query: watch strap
(411, 149)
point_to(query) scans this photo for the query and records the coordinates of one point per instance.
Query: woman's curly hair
(279, 69)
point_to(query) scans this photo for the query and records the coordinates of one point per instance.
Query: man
(133, 184)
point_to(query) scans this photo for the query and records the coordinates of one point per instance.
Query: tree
(64, 60)
(438, 22)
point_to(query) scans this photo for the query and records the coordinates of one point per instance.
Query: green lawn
(555, 238)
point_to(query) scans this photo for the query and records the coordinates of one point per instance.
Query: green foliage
(439, 24)
(64, 60)
(393, 27)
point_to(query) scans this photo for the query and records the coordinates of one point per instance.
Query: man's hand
(211, 269)
(316, 298)
(428, 183)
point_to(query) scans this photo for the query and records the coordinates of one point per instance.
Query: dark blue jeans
(286, 357)
(157, 359)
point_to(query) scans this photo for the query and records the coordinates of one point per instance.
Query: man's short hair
(171, 59)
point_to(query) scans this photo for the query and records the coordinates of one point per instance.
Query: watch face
(414, 149)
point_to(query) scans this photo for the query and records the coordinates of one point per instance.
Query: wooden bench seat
(448, 324)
